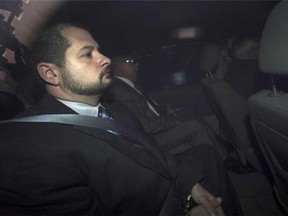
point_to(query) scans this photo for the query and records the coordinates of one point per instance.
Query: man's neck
(94, 101)
(81, 108)
(91, 100)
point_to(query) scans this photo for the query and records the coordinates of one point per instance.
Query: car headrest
(273, 53)
(209, 57)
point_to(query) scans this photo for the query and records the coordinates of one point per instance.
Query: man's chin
(107, 80)
(107, 76)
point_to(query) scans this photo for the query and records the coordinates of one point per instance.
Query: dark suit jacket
(164, 128)
(121, 92)
(57, 169)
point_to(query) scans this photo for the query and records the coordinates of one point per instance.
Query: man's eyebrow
(86, 48)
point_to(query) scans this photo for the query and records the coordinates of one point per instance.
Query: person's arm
(151, 123)
(155, 124)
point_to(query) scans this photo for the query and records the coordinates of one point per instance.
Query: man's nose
(103, 60)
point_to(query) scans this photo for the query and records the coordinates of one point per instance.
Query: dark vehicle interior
(226, 61)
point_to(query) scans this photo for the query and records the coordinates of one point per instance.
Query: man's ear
(49, 72)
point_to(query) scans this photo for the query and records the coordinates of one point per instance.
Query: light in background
(179, 78)
(186, 33)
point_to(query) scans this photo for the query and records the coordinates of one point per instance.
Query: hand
(199, 210)
(210, 203)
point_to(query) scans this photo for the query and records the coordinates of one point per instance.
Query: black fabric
(172, 134)
(73, 170)
(244, 77)
(149, 100)
(120, 92)
(10, 105)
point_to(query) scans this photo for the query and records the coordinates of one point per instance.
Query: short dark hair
(50, 47)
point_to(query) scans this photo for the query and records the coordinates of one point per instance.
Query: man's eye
(88, 55)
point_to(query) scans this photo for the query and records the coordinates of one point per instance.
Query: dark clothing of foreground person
(59, 169)
(62, 169)
(173, 135)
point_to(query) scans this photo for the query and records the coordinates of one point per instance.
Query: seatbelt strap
(72, 119)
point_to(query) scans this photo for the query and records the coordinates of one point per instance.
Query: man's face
(86, 70)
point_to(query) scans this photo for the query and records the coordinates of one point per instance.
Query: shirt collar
(81, 108)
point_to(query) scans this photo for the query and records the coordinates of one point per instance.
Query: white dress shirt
(81, 108)
(84, 109)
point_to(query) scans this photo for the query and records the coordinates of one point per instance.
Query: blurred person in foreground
(63, 169)
(11, 100)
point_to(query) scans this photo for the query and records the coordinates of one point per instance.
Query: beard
(81, 88)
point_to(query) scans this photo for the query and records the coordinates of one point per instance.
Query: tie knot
(102, 113)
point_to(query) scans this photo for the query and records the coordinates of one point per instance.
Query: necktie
(102, 113)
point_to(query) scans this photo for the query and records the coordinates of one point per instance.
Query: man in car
(174, 134)
(63, 169)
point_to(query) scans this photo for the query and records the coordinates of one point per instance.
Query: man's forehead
(79, 37)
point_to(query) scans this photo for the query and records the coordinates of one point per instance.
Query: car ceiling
(136, 25)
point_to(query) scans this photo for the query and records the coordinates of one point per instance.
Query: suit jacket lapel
(50, 105)
(128, 88)
(146, 98)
